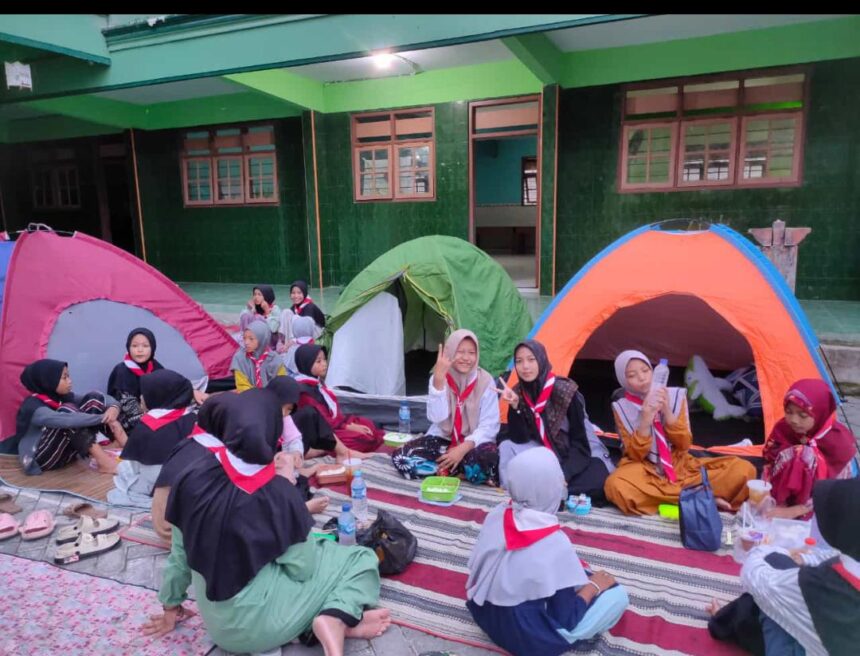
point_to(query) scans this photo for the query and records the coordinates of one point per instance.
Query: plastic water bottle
(405, 416)
(346, 526)
(660, 378)
(359, 497)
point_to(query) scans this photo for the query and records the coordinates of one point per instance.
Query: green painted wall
(591, 213)
(223, 244)
(773, 46)
(354, 234)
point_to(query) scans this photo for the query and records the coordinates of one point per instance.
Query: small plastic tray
(397, 439)
(440, 488)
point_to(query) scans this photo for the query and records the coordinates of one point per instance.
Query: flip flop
(8, 505)
(86, 546)
(8, 526)
(82, 508)
(86, 526)
(38, 524)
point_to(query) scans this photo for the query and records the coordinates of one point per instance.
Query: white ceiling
(184, 90)
(669, 27)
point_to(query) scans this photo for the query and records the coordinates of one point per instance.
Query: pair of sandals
(37, 524)
(86, 538)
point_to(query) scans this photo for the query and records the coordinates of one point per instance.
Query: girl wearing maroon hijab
(807, 445)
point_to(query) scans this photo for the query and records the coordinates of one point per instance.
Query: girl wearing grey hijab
(527, 588)
(255, 363)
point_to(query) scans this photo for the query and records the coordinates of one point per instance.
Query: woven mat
(669, 586)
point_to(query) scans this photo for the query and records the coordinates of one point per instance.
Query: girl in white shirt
(464, 408)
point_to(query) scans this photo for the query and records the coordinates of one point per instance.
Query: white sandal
(87, 546)
(86, 525)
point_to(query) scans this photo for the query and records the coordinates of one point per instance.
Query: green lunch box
(440, 488)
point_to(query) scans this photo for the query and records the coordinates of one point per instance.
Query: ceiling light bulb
(383, 60)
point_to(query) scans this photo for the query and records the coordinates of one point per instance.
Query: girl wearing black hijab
(304, 306)
(124, 380)
(241, 536)
(262, 307)
(54, 427)
(356, 433)
(168, 419)
(548, 410)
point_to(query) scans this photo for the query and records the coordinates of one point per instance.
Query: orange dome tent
(675, 293)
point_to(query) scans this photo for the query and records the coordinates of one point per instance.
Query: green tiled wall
(223, 244)
(548, 181)
(354, 234)
(591, 213)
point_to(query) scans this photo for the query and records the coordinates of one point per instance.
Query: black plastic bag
(393, 543)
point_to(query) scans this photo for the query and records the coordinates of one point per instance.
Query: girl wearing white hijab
(655, 430)
(527, 588)
(464, 408)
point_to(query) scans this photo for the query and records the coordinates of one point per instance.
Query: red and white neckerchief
(328, 396)
(298, 307)
(135, 368)
(47, 400)
(258, 366)
(457, 432)
(821, 469)
(301, 341)
(244, 475)
(663, 450)
(851, 578)
(159, 418)
(525, 527)
(538, 408)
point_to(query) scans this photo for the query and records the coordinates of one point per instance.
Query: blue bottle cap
(346, 507)
(664, 361)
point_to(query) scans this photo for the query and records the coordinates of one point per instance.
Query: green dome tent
(433, 285)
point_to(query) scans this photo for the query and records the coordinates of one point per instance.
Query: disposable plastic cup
(758, 490)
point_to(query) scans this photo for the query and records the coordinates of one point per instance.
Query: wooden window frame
(795, 179)
(216, 180)
(356, 166)
(732, 151)
(673, 152)
(399, 195)
(247, 177)
(389, 139)
(53, 174)
(740, 115)
(524, 178)
(197, 203)
(247, 140)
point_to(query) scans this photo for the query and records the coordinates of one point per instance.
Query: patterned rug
(49, 610)
(669, 586)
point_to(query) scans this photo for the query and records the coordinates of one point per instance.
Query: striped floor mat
(669, 586)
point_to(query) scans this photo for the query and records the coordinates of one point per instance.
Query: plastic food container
(397, 439)
(669, 511)
(440, 488)
(788, 533)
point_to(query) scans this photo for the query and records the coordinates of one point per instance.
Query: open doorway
(506, 203)
(504, 188)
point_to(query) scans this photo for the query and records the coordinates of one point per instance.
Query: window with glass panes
(726, 131)
(230, 166)
(55, 186)
(393, 155)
